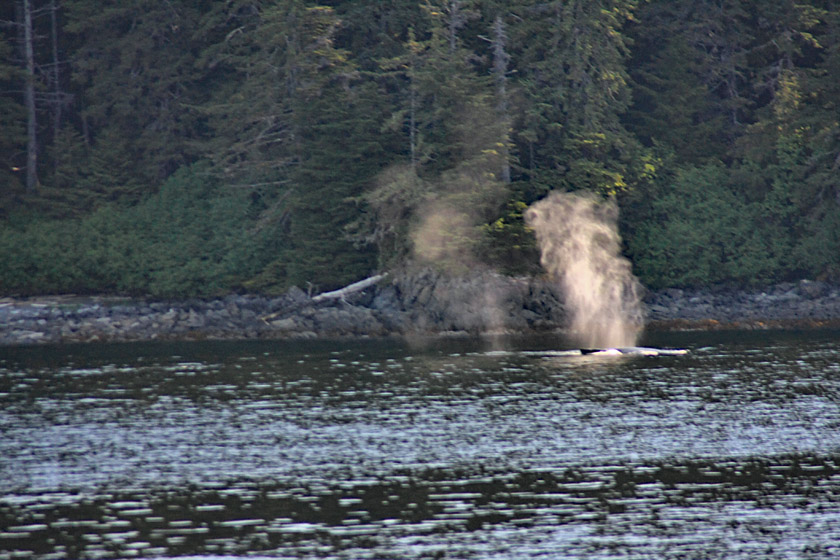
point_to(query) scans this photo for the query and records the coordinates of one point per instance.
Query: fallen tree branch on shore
(351, 289)
(335, 294)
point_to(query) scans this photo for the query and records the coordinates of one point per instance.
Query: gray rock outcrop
(418, 302)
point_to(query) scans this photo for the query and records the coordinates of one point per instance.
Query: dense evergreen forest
(197, 147)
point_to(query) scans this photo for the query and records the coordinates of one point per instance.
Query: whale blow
(581, 249)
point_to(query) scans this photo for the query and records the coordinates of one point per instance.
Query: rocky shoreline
(804, 304)
(420, 303)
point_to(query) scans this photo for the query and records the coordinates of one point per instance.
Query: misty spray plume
(581, 249)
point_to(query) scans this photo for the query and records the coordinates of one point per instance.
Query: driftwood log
(347, 290)
(335, 294)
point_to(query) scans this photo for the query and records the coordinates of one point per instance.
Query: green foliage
(187, 240)
(12, 132)
(511, 246)
(574, 76)
(339, 134)
(39, 258)
(818, 253)
(391, 204)
(134, 67)
(672, 105)
(701, 232)
(331, 173)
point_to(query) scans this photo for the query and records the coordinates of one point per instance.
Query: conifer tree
(294, 123)
(814, 131)
(501, 61)
(332, 174)
(253, 63)
(693, 86)
(456, 139)
(573, 69)
(135, 69)
(374, 30)
(29, 98)
(673, 108)
(12, 119)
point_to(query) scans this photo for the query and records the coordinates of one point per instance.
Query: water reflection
(739, 508)
(377, 450)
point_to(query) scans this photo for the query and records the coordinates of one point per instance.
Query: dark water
(442, 449)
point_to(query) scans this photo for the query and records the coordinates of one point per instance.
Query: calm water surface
(502, 449)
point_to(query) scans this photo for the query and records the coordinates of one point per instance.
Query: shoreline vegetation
(180, 149)
(424, 303)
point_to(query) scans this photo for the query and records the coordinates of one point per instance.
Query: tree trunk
(58, 100)
(56, 76)
(454, 20)
(412, 124)
(29, 95)
(500, 70)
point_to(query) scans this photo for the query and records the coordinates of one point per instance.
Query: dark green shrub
(701, 231)
(194, 237)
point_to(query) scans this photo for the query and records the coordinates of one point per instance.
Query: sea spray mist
(581, 249)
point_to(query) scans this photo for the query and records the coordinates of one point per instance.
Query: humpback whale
(637, 350)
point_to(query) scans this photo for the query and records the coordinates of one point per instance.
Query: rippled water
(440, 449)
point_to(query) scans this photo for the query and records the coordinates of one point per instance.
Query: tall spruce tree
(373, 30)
(456, 143)
(673, 107)
(812, 132)
(253, 62)
(295, 124)
(572, 66)
(340, 156)
(12, 127)
(135, 69)
(29, 85)
(692, 81)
